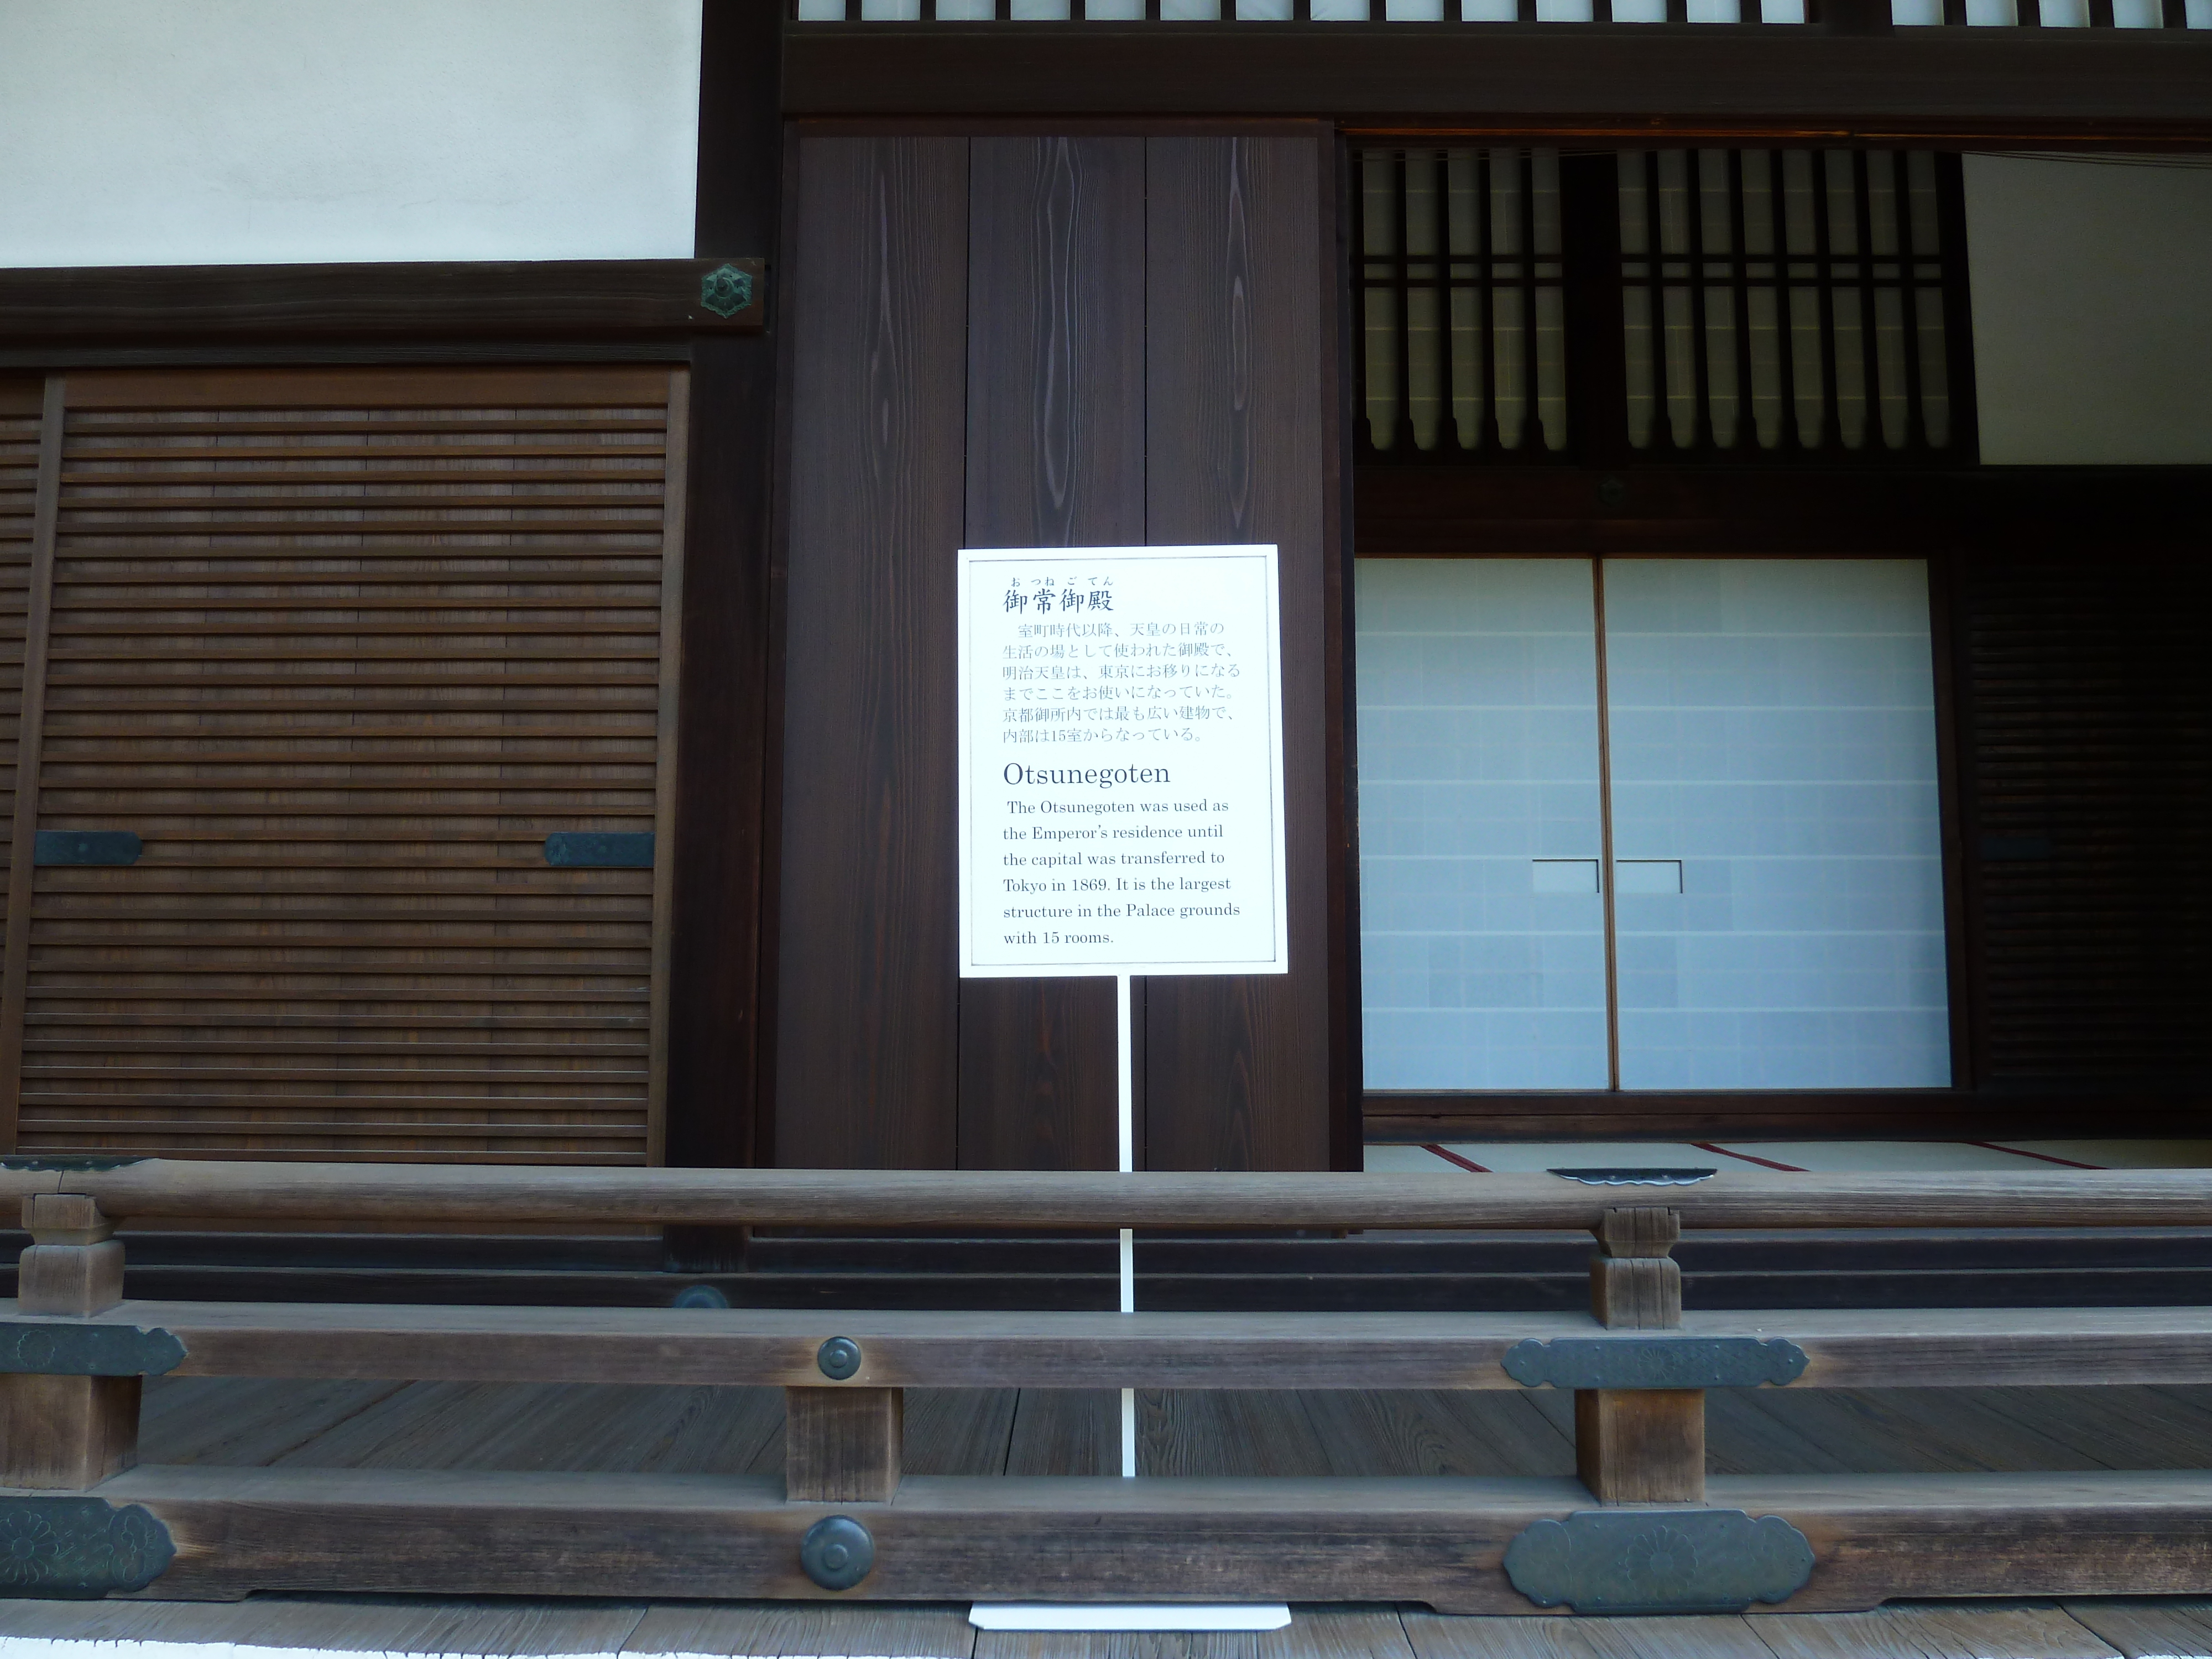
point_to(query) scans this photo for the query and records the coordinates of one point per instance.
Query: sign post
(1121, 778)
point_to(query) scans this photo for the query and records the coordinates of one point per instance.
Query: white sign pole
(1125, 1069)
(1121, 779)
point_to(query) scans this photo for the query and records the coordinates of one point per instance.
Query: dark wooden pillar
(716, 1006)
(1055, 458)
(868, 1014)
(1241, 446)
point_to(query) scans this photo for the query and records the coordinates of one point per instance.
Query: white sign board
(1121, 762)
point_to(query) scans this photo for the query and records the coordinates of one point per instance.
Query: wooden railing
(1641, 1529)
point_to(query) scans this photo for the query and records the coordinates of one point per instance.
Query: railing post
(67, 1432)
(1639, 1445)
(842, 1445)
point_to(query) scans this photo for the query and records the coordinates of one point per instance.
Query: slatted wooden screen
(343, 647)
(21, 402)
(2089, 758)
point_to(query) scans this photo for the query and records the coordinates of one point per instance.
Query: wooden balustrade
(1644, 1527)
(1077, 1200)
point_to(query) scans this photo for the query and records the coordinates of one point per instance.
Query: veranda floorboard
(958, 1431)
(1066, 1431)
(2142, 1628)
(1924, 1632)
(789, 1629)
(1877, 1431)
(244, 1420)
(1257, 1431)
(1434, 1636)
(2135, 1429)
(1313, 1634)
(1375, 1431)
(346, 1624)
(569, 1427)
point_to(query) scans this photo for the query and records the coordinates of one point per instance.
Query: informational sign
(1121, 762)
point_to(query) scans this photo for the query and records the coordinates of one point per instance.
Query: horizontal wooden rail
(1946, 1348)
(158, 1188)
(1442, 1541)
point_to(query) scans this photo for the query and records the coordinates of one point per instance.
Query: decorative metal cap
(725, 290)
(837, 1553)
(839, 1358)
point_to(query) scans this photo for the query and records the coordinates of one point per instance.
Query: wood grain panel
(1055, 458)
(1237, 450)
(867, 1023)
(343, 647)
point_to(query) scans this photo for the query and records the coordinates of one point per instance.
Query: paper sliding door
(1749, 744)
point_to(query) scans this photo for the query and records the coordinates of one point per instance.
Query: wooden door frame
(1947, 517)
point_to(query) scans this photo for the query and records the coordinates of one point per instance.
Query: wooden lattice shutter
(344, 648)
(21, 403)
(2089, 756)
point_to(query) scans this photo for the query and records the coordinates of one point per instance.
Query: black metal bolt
(837, 1553)
(839, 1358)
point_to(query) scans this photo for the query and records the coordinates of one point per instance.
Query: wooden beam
(842, 1445)
(67, 1433)
(1442, 1541)
(1819, 1115)
(1944, 1348)
(1804, 85)
(1641, 1446)
(1084, 1200)
(1635, 1284)
(2144, 514)
(493, 299)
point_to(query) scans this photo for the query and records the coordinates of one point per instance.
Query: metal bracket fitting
(1624, 1561)
(1655, 1362)
(1636, 1176)
(79, 1548)
(68, 1347)
(83, 1164)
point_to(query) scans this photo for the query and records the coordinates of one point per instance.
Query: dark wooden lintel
(1933, 85)
(1819, 1114)
(2144, 513)
(393, 306)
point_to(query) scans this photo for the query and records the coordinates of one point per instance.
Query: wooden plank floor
(737, 1431)
(740, 1430)
(2162, 1628)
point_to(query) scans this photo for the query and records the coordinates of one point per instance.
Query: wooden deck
(394, 1624)
(605, 1428)
(740, 1430)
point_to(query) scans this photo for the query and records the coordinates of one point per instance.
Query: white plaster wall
(251, 131)
(2092, 335)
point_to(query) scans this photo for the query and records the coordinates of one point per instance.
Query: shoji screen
(1779, 893)
(341, 649)
(1755, 739)
(1483, 930)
